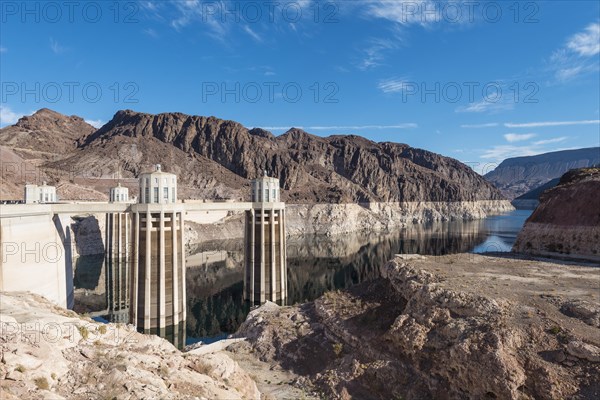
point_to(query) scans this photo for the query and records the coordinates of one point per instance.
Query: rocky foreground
(51, 353)
(451, 327)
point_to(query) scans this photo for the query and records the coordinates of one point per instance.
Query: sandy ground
(541, 284)
(272, 381)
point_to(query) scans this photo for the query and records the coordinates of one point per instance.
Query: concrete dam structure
(144, 250)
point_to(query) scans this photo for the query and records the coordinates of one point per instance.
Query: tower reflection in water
(215, 275)
(315, 265)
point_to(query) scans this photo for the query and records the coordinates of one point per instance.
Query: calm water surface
(319, 264)
(315, 265)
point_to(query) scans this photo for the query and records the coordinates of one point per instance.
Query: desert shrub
(337, 349)
(83, 331)
(41, 383)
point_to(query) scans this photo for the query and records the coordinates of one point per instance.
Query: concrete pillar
(282, 259)
(252, 223)
(127, 257)
(260, 249)
(273, 291)
(119, 280)
(174, 226)
(135, 273)
(148, 275)
(161, 271)
(182, 263)
(262, 258)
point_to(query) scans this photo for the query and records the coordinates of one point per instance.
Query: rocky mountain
(33, 141)
(208, 152)
(516, 176)
(567, 221)
(46, 134)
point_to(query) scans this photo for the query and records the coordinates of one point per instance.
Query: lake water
(315, 266)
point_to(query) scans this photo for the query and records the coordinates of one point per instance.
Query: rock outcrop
(518, 175)
(452, 327)
(567, 221)
(51, 353)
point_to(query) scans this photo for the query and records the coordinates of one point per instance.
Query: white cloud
(518, 137)
(486, 106)
(8, 116)
(507, 151)
(550, 123)
(252, 34)
(189, 11)
(405, 12)
(586, 43)
(150, 32)
(221, 19)
(408, 125)
(565, 74)
(374, 52)
(56, 47)
(487, 125)
(96, 123)
(392, 85)
(576, 57)
(549, 141)
(3, 49)
(502, 152)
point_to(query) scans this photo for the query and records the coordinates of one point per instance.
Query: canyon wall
(566, 222)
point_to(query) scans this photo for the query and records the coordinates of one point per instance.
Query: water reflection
(214, 277)
(319, 264)
(502, 231)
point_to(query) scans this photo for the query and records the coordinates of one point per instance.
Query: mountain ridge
(518, 175)
(217, 158)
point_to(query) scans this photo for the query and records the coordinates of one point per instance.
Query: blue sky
(478, 81)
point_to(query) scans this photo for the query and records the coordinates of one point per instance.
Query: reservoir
(316, 264)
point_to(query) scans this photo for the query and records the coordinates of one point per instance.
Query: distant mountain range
(517, 176)
(216, 158)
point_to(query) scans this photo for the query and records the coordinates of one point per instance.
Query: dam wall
(33, 255)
